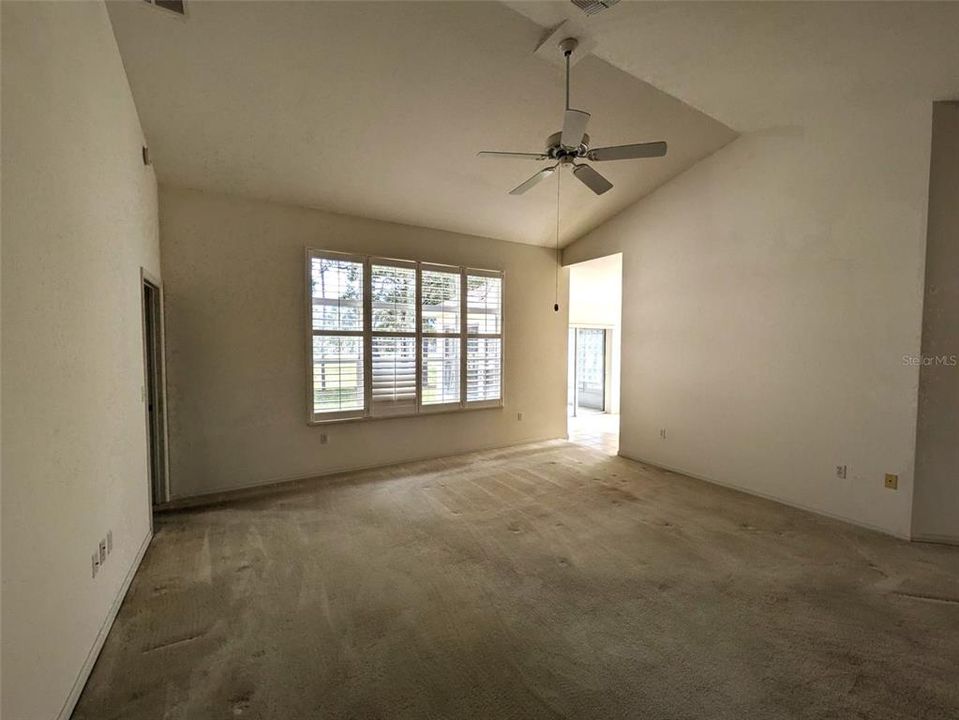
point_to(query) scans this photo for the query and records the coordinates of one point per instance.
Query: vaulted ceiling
(378, 110)
(755, 65)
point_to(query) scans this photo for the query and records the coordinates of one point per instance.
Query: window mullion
(367, 337)
(419, 337)
(337, 333)
(463, 326)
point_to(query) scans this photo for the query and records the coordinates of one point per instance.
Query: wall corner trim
(938, 539)
(71, 702)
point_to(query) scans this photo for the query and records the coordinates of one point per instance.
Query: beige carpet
(549, 581)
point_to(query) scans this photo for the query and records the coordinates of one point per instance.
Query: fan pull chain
(559, 175)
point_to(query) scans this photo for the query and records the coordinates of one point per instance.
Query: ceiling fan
(572, 144)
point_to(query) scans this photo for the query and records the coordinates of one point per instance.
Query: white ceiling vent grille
(175, 6)
(591, 7)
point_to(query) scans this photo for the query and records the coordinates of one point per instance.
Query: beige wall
(79, 221)
(770, 294)
(596, 298)
(236, 356)
(936, 509)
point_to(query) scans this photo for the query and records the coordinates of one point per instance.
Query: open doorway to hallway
(595, 326)
(153, 388)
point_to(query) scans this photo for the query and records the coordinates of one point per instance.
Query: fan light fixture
(570, 147)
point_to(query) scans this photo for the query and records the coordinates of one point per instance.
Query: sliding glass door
(587, 377)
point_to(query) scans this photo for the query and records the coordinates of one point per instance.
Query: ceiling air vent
(591, 7)
(176, 6)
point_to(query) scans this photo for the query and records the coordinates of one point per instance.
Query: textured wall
(79, 221)
(770, 294)
(236, 355)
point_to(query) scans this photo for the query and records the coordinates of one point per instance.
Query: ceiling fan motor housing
(557, 151)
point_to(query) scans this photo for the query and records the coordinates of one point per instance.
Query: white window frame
(368, 329)
(464, 321)
(463, 405)
(363, 334)
(439, 407)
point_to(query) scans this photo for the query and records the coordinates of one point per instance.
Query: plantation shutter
(393, 338)
(484, 337)
(441, 306)
(397, 338)
(336, 323)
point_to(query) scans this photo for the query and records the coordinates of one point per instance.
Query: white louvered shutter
(393, 360)
(337, 319)
(484, 337)
(441, 302)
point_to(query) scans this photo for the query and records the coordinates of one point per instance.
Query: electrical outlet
(841, 471)
(103, 551)
(662, 433)
(892, 481)
(94, 563)
(323, 439)
(519, 416)
(109, 541)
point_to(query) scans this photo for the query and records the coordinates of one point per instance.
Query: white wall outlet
(324, 439)
(841, 472)
(95, 564)
(102, 548)
(662, 433)
(519, 416)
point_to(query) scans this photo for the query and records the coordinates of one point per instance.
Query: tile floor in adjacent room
(599, 431)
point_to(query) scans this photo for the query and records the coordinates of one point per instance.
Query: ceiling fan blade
(541, 175)
(574, 127)
(592, 179)
(628, 152)
(525, 156)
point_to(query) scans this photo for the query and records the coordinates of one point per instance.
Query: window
(484, 337)
(442, 335)
(336, 312)
(396, 338)
(393, 346)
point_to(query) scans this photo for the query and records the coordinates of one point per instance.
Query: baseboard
(71, 702)
(773, 498)
(265, 487)
(934, 538)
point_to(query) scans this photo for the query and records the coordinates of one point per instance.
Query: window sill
(490, 405)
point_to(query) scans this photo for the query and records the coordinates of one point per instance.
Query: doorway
(153, 390)
(595, 324)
